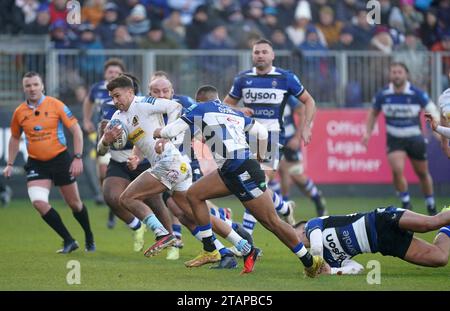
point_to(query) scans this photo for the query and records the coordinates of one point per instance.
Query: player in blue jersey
(389, 231)
(161, 87)
(402, 103)
(98, 106)
(224, 131)
(264, 91)
(119, 176)
(291, 163)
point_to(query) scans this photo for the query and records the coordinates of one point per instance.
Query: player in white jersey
(444, 128)
(141, 116)
(119, 176)
(389, 231)
(161, 87)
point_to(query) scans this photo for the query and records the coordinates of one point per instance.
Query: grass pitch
(28, 260)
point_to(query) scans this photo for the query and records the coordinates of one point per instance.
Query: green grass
(28, 260)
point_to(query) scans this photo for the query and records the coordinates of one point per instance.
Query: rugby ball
(121, 141)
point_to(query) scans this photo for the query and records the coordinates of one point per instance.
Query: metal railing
(334, 78)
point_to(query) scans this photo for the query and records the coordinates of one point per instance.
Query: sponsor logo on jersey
(349, 242)
(232, 120)
(38, 128)
(340, 256)
(264, 112)
(136, 135)
(254, 96)
(183, 168)
(135, 121)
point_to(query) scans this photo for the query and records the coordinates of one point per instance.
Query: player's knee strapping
(296, 169)
(37, 193)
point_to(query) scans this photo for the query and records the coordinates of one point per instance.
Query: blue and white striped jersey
(99, 96)
(402, 110)
(345, 236)
(289, 122)
(223, 129)
(266, 94)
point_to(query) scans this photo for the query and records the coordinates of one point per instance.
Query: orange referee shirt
(43, 127)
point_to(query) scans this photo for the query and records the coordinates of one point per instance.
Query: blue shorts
(247, 182)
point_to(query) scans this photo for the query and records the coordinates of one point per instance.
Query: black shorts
(120, 169)
(415, 147)
(247, 182)
(392, 240)
(56, 169)
(291, 155)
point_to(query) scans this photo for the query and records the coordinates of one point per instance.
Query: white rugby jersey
(143, 117)
(444, 104)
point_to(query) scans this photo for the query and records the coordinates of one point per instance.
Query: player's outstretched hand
(159, 146)
(157, 133)
(434, 124)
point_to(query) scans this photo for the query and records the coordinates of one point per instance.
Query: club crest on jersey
(135, 121)
(183, 168)
(136, 135)
(274, 83)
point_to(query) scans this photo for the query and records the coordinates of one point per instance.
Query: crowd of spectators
(404, 27)
(233, 24)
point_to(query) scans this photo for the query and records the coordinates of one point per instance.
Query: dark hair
(206, 93)
(135, 82)
(302, 222)
(263, 41)
(122, 81)
(114, 62)
(403, 65)
(31, 74)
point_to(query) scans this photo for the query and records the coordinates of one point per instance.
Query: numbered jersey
(222, 128)
(266, 94)
(345, 236)
(143, 117)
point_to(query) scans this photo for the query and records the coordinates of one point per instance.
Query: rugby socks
(155, 225)
(429, 200)
(83, 219)
(196, 233)
(206, 234)
(241, 244)
(275, 186)
(177, 231)
(249, 222)
(135, 224)
(220, 213)
(445, 230)
(53, 219)
(302, 253)
(404, 197)
(280, 205)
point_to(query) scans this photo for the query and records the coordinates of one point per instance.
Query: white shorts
(172, 171)
(104, 159)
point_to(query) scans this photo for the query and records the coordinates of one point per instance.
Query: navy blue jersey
(402, 110)
(99, 96)
(267, 94)
(186, 102)
(223, 129)
(289, 123)
(345, 236)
